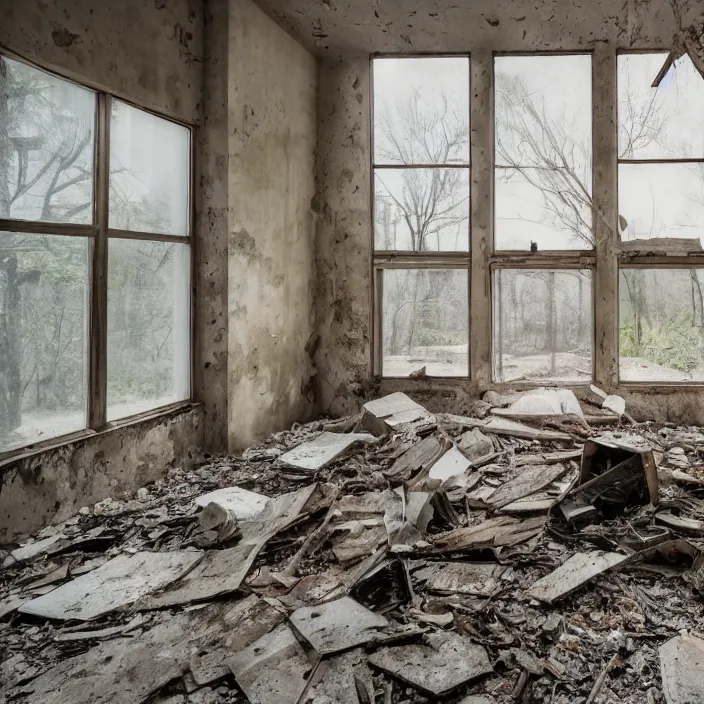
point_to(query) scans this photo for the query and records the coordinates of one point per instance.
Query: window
(543, 162)
(660, 219)
(542, 315)
(95, 251)
(421, 215)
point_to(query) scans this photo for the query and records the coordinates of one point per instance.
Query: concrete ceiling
(342, 27)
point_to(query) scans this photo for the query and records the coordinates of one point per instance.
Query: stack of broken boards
(531, 548)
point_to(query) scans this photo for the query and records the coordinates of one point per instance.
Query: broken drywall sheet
(118, 583)
(572, 574)
(444, 663)
(274, 669)
(315, 454)
(337, 625)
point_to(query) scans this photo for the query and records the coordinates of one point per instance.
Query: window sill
(28, 451)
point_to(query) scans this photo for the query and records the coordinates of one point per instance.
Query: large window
(95, 234)
(661, 219)
(421, 215)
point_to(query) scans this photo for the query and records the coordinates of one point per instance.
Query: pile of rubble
(542, 549)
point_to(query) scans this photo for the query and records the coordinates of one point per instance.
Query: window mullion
(97, 402)
(481, 214)
(605, 189)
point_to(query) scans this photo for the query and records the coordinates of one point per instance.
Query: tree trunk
(10, 344)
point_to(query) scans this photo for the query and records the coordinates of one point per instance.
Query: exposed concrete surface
(343, 238)
(272, 126)
(341, 27)
(212, 229)
(148, 51)
(52, 486)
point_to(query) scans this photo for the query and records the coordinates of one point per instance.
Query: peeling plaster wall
(52, 486)
(151, 53)
(344, 34)
(272, 131)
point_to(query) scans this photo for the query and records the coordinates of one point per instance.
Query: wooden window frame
(99, 232)
(630, 258)
(402, 259)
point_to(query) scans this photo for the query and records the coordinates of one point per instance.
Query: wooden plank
(504, 426)
(528, 482)
(574, 573)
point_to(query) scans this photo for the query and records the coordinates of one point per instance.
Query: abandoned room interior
(351, 351)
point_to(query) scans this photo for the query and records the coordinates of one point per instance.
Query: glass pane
(148, 325)
(421, 111)
(661, 200)
(46, 146)
(659, 123)
(43, 337)
(422, 209)
(544, 133)
(542, 325)
(149, 172)
(541, 206)
(661, 325)
(425, 322)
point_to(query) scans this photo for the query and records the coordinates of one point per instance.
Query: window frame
(640, 258)
(99, 233)
(405, 259)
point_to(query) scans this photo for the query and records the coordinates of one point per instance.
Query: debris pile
(541, 549)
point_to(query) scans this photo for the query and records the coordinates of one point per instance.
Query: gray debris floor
(522, 573)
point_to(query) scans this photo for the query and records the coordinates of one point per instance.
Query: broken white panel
(682, 665)
(31, 550)
(615, 404)
(572, 574)
(448, 661)
(543, 402)
(337, 625)
(118, 583)
(223, 571)
(244, 504)
(393, 410)
(272, 670)
(451, 464)
(321, 450)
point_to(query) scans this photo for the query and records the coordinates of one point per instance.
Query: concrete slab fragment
(120, 582)
(337, 625)
(446, 662)
(315, 454)
(682, 668)
(575, 572)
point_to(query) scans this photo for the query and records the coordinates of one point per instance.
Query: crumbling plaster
(51, 486)
(344, 34)
(272, 126)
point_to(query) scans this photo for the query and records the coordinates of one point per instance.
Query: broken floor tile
(274, 669)
(576, 571)
(682, 668)
(118, 583)
(444, 663)
(320, 451)
(337, 625)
